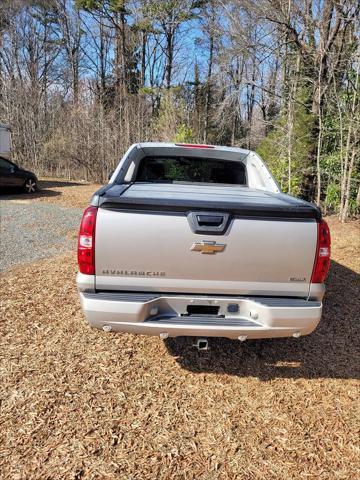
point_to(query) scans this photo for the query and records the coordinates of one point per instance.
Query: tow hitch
(202, 344)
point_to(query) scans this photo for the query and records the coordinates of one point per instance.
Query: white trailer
(5, 140)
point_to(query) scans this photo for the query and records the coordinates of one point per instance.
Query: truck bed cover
(238, 200)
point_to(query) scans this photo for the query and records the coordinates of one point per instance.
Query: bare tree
(82, 79)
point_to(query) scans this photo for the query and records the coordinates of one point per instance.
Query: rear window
(190, 170)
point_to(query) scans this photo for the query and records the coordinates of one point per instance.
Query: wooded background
(80, 81)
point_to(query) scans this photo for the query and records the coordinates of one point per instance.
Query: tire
(30, 185)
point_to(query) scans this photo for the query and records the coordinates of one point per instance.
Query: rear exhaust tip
(202, 344)
(106, 328)
(242, 338)
(296, 334)
(164, 335)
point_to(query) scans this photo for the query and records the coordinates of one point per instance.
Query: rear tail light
(193, 145)
(86, 242)
(322, 259)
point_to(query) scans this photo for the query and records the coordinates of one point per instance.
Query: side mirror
(110, 175)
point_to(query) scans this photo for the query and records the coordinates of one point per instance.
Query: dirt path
(79, 403)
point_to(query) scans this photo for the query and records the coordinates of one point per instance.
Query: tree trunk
(208, 88)
(345, 210)
(318, 155)
(102, 63)
(143, 57)
(119, 66)
(348, 166)
(169, 58)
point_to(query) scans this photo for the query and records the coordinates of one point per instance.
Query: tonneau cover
(238, 200)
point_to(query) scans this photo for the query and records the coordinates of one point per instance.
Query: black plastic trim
(245, 210)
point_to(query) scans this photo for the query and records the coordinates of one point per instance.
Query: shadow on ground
(44, 190)
(332, 351)
(58, 183)
(12, 194)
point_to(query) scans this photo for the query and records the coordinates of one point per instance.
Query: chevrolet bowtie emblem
(209, 248)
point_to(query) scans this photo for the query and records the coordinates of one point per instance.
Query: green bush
(184, 134)
(274, 147)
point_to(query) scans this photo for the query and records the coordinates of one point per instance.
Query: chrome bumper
(166, 315)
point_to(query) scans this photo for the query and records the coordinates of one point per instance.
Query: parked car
(12, 176)
(198, 240)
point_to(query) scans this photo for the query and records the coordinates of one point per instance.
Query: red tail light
(322, 259)
(193, 145)
(86, 242)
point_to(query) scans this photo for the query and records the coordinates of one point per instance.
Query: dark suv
(12, 176)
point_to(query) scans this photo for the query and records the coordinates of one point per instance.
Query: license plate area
(202, 311)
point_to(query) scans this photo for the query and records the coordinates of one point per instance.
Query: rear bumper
(163, 314)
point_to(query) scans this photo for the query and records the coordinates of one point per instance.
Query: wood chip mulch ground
(68, 194)
(79, 403)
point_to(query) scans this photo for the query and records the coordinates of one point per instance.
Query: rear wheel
(30, 185)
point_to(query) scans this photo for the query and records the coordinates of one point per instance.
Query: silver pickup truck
(198, 240)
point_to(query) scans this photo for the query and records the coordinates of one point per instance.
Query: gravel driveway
(32, 231)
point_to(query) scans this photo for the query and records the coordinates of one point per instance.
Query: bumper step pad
(203, 321)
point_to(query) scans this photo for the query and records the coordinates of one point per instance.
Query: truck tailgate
(150, 246)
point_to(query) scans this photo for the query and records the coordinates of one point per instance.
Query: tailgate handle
(210, 220)
(210, 223)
